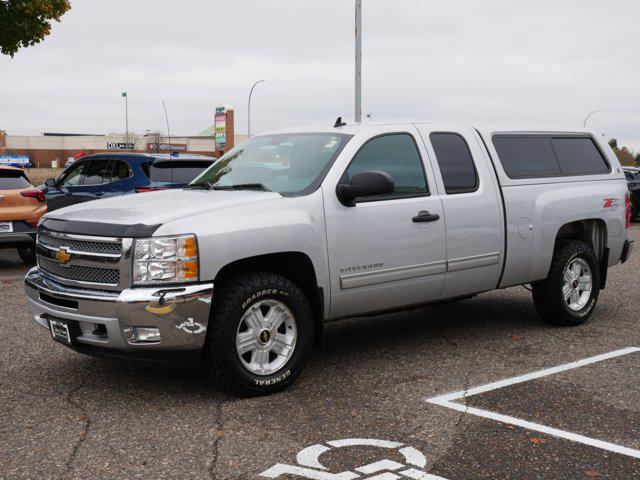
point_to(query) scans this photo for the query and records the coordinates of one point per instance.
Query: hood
(156, 208)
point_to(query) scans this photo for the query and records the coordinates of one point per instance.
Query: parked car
(340, 222)
(21, 206)
(109, 175)
(633, 179)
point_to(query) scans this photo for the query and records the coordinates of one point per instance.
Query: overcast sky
(543, 62)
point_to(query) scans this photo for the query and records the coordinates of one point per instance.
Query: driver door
(382, 255)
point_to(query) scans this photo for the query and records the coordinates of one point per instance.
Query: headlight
(165, 260)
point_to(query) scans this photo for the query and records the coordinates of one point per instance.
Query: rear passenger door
(472, 209)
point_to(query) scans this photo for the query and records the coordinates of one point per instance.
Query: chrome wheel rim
(577, 284)
(266, 337)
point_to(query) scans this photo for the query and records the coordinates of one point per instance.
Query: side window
(397, 155)
(97, 172)
(120, 170)
(543, 156)
(523, 157)
(456, 163)
(74, 175)
(579, 156)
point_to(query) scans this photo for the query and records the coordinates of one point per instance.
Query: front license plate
(6, 227)
(60, 330)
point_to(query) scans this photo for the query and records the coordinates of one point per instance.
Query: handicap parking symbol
(309, 465)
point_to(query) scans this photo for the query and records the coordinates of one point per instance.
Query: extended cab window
(397, 155)
(455, 162)
(529, 156)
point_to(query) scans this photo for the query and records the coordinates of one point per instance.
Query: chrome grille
(80, 273)
(85, 261)
(80, 245)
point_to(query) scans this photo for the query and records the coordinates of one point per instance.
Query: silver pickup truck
(240, 270)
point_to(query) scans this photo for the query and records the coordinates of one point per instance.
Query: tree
(156, 139)
(638, 159)
(626, 157)
(613, 143)
(24, 23)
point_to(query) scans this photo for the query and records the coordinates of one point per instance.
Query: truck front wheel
(260, 334)
(568, 296)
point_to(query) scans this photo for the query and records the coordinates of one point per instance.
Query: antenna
(169, 133)
(339, 123)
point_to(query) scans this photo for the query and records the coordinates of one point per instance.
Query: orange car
(21, 206)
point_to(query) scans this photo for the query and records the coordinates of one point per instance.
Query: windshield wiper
(242, 186)
(205, 185)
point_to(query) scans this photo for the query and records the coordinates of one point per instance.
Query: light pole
(126, 114)
(358, 61)
(584, 124)
(249, 107)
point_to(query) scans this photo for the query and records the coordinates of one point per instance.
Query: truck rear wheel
(568, 296)
(260, 334)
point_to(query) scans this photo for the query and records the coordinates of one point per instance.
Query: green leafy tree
(613, 143)
(638, 159)
(24, 23)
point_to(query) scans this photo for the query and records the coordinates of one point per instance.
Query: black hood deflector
(99, 229)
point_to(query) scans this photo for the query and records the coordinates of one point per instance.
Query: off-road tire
(231, 300)
(547, 294)
(27, 255)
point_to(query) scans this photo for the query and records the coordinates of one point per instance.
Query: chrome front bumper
(105, 319)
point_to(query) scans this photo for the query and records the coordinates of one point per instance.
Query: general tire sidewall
(290, 369)
(587, 310)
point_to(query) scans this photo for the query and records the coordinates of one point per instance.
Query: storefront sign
(120, 146)
(166, 147)
(15, 160)
(220, 127)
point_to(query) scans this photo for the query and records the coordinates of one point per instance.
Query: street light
(584, 124)
(126, 113)
(358, 72)
(249, 108)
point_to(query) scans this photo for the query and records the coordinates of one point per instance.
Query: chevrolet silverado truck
(241, 269)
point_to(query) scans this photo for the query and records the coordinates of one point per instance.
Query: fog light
(145, 335)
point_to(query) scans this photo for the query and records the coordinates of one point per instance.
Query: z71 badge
(611, 203)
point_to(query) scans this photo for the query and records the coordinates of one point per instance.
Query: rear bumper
(103, 321)
(627, 250)
(14, 240)
(23, 235)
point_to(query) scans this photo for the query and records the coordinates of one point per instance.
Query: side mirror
(50, 182)
(365, 184)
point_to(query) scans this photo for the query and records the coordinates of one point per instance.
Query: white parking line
(449, 401)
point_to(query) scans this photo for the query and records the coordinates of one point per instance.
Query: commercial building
(56, 149)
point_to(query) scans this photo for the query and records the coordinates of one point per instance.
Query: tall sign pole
(358, 61)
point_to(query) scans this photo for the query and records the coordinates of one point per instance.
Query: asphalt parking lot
(363, 408)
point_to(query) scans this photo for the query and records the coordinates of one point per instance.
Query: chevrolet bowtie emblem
(62, 256)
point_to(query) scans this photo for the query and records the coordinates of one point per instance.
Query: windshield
(289, 164)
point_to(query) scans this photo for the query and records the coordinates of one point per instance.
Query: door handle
(425, 216)
(98, 194)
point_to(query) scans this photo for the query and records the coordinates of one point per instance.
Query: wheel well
(592, 231)
(296, 266)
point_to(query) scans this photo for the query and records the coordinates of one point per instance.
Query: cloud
(467, 61)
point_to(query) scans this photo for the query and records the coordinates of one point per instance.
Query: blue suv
(106, 175)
